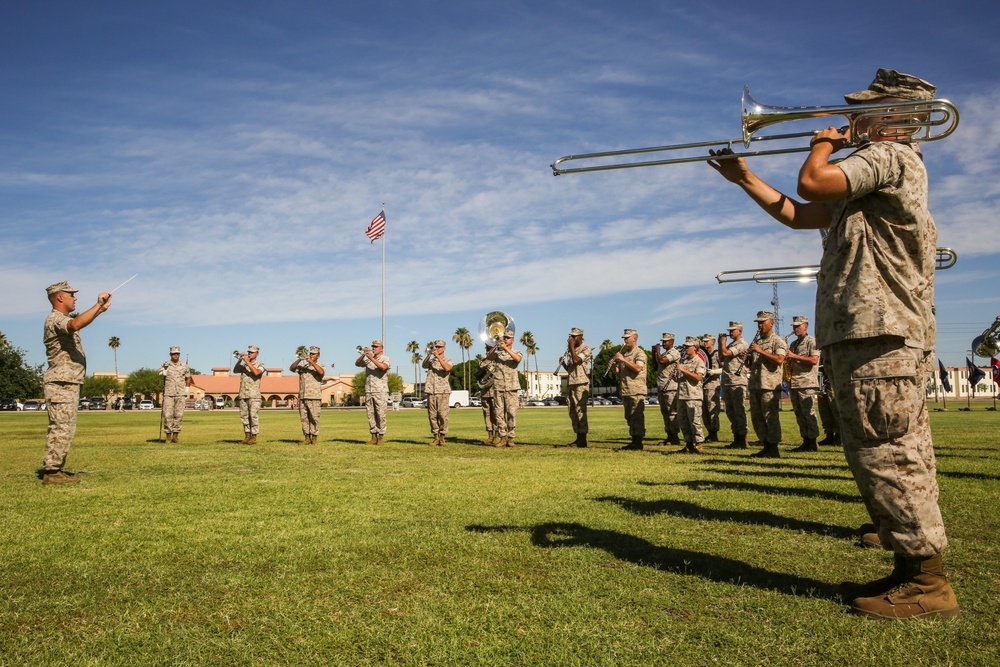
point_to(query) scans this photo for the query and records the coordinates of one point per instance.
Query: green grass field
(213, 553)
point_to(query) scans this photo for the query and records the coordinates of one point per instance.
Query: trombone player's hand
(734, 170)
(833, 136)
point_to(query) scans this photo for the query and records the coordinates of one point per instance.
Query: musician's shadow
(632, 549)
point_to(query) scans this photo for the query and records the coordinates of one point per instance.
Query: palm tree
(114, 343)
(606, 344)
(464, 340)
(530, 348)
(301, 351)
(414, 347)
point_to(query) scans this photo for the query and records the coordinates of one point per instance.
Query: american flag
(377, 227)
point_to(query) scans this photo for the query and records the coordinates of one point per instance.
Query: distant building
(958, 378)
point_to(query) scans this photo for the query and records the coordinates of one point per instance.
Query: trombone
(907, 121)
(944, 259)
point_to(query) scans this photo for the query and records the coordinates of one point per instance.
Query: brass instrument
(987, 344)
(492, 328)
(360, 350)
(909, 121)
(945, 259)
(237, 354)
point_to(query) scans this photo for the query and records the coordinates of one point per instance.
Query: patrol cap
(665, 336)
(253, 348)
(313, 349)
(175, 350)
(630, 332)
(890, 83)
(733, 324)
(708, 338)
(692, 341)
(377, 343)
(799, 319)
(508, 333)
(575, 332)
(439, 343)
(764, 315)
(60, 287)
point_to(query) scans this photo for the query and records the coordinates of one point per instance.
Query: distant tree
(464, 340)
(145, 382)
(301, 351)
(18, 379)
(100, 386)
(414, 348)
(114, 343)
(358, 384)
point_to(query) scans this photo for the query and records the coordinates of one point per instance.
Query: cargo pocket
(886, 394)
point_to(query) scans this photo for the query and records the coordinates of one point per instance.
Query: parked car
(614, 400)
(413, 402)
(33, 406)
(537, 402)
(146, 405)
(652, 400)
(551, 401)
(98, 403)
(476, 402)
(561, 400)
(84, 404)
(9, 404)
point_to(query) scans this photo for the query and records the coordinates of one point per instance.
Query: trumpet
(910, 121)
(237, 354)
(360, 350)
(945, 258)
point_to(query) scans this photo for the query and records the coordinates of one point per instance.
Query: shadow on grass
(716, 485)
(636, 550)
(753, 518)
(780, 474)
(968, 475)
(772, 464)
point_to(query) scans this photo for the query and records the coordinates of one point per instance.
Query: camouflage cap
(708, 338)
(799, 319)
(665, 336)
(60, 287)
(175, 350)
(313, 349)
(733, 324)
(890, 83)
(439, 343)
(253, 348)
(377, 343)
(764, 315)
(575, 332)
(692, 341)
(509, 333)
(630, 332)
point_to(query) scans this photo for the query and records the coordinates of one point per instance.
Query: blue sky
(233, 153)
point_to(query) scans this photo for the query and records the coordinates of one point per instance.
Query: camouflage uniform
(734, 387)
(875, 324)
(827, 409)
(712, 402)
(488, 398)
(804, 387)
(310, 398)
(632, 389)
(175, 389)
(505, 388)
(377, 393)
(578, 387)
(666, 385)
(66, 372)
(249, 397)
(765, 390)
(690, 400)
(438, 392)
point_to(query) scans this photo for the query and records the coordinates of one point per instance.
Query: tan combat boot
(312, 439)
(58, 477)
(436, 440)
(306, 440)
(246, 439)
(177, 438)
(373, 441)
(252, 440)
(380, 439)
(850, 591)
(491, 440)
(509, 442)
(924, 593)
(499, 440)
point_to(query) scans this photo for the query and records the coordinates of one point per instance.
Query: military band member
(665, 358)
(827, 408)
(630, 365)
(690, 395)
(712, 405)
(438, 391)
(803, 359)
(767, 357)
(311, 374)
(65, 374)
(376, 367)
(176, 380)
(577, 364)
(250, 371)
(487, 396)
(505, 385)
(734, 382)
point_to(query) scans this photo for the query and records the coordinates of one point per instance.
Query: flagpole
(383, 280)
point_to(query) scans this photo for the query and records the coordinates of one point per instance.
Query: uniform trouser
(437, 413)
(505, 418)
(635, 415)
(879, 388)
(689, 420)
(577, 396)
(804, 406)
(764, 409)
(249, 409)
(711, 406)
(489, 412)
(734, 397)
(61, 400)
(173, 413)
(828, 410)
(668, 409)
(309, 410)
(376, 406)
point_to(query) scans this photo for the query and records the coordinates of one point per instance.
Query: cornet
(909, 121)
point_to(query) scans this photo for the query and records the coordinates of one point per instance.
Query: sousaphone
(492, 328)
